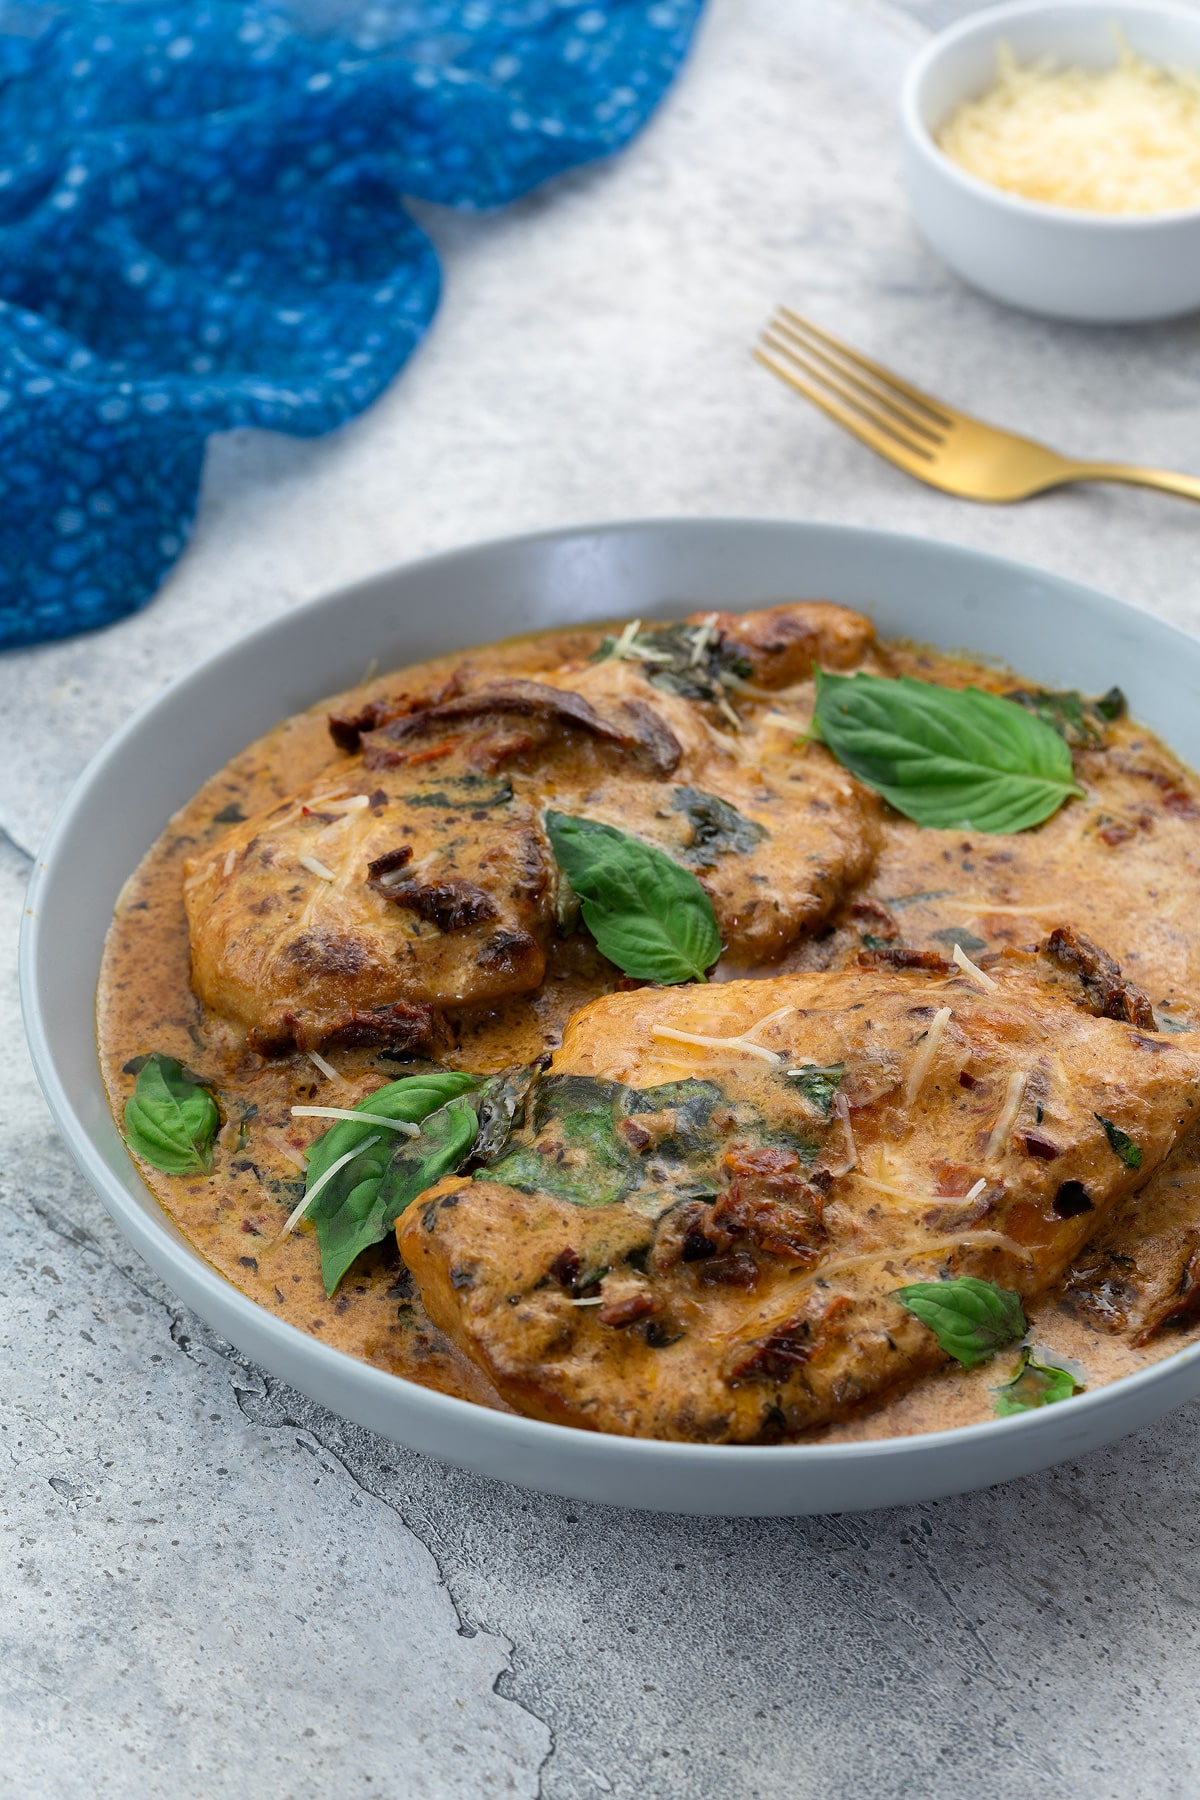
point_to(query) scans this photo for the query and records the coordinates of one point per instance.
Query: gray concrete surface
(208, 1586)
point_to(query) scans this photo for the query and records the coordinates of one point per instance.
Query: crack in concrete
(9, 842)
(249, 1383)
(272, 1392)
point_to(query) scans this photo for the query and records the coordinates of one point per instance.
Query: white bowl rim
(993, 18)
(314, 1357)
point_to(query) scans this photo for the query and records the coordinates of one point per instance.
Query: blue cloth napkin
(202, 225)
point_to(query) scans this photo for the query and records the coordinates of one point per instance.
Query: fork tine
(884, 445)
(808, 354)
(936, 408)
(869, 413)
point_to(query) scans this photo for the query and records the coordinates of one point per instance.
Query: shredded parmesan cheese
(923, 1061)
(702, 638)
(327, 1069)
(724, 708)
(317, 868)
(973, 971)
(282, 1148)
(230, 859)
(772, 1018)
(965, 1240)
(785, 722)
(362, 1118)
(1013, 1097)
(596, 1300)
(704, 1042)
(1122, 140)
(625, 647)
(918, 1200)
(295, 1217)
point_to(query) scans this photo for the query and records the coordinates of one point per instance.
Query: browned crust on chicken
(767, 1304)
(784, 644)
(417, 874)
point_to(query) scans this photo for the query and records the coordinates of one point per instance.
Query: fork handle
(1186, 487)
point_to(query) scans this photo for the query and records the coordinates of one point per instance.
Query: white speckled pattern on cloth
(213, 1589)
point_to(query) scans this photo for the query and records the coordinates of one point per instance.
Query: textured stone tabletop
(211, 1587)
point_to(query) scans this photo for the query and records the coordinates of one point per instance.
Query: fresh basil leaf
(1121, 1142)
(947, 758)
(718, 829)
(170, 1118)
(818, 1085)
(648, 915)
(447, 1138)
(971, 1319)
(1035, 1384)
(347, 1213)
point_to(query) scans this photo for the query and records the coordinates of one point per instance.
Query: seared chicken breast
(415, 874)
(1140, 1274)
(700, 1230)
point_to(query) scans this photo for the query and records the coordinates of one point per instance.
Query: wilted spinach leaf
(673, 663)
(718, 829)
(572, 1147)
(471, 793)
(1080, 721)
(818, 1085)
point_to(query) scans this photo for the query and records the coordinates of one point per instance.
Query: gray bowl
(1055, 631)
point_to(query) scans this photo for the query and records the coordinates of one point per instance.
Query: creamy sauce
(942, 887)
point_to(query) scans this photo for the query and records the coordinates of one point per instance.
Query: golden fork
(925, 437)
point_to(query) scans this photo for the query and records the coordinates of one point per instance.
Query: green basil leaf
(971, 1319)
(347, 1212)
(1035, 1384)
(170, 1118)
(818, 1085)
(957, 760)
(447, 1138)
(1121, 1142)
(648, 915)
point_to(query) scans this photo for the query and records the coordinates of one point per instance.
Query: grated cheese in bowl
(1121, 140)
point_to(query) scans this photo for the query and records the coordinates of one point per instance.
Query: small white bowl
(1069, 264)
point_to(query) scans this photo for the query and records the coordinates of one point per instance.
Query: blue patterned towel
(202, 226)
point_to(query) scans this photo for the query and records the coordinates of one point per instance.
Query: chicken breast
(415, 875)
(1140, 1274)
(700, 1229)
(1121, 864)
